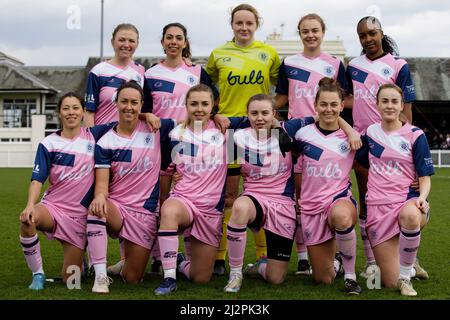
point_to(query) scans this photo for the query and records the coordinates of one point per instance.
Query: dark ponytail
(388, 44)
(186, 53)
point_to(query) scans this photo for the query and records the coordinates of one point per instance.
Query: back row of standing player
(244, 67)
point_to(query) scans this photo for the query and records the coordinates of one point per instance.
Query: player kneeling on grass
(268, 198)
(326, 202)
(66, 158)
(127, 162)
(197, 200)
(396, 153)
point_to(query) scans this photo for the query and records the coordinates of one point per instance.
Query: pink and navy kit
(165, 89)
(365, 77)
(134, 163)
(299, 78)
(69, 166)
(394, 159)
(103, 81)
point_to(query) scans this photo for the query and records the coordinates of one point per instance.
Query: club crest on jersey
(191, 79)
(329, 71)
(90, 147)
(137, 78)
(344, 147)
(263, 56)
(387, 72)
(148, 139)
(404, 146)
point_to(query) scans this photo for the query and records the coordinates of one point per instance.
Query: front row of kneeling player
(128, 155)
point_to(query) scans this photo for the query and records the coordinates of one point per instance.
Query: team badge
(90, 147)
(191, 79)
(226, 59)
(404, 146)
(344, 147)
(263, 56)
(137, 78)
(148, 139)
(387, 72)
(329, 71)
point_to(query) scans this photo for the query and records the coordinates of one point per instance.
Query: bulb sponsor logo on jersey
(305, 92)
(158, 84)
(275, 168)
(329, 71)
(142, 165)
(252, 78)
(391, 168)
(167, 102)
(84, 171)
(330, 171)
(365, 94)
(206, 164)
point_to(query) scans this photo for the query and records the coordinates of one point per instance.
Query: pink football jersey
(102, 84)
(69, 166)
(395, 160)
(327, 163)
(134, 164)
(165, 89)
(201, 159)
(365, 76)
(299, 79)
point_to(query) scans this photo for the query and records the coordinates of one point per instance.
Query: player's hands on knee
(26, 216)
(98, 206)
(422, 204)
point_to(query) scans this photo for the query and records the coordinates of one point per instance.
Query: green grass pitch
(15, 276)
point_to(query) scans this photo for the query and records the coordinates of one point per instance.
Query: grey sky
(47, 32)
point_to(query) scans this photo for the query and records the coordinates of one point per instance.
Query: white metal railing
(16, 158)
(441, 158)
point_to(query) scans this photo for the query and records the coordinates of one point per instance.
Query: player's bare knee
(410, 219)
(276, 278)
(342, 220)
(201, 278)
(131, 277)
(323, 278)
